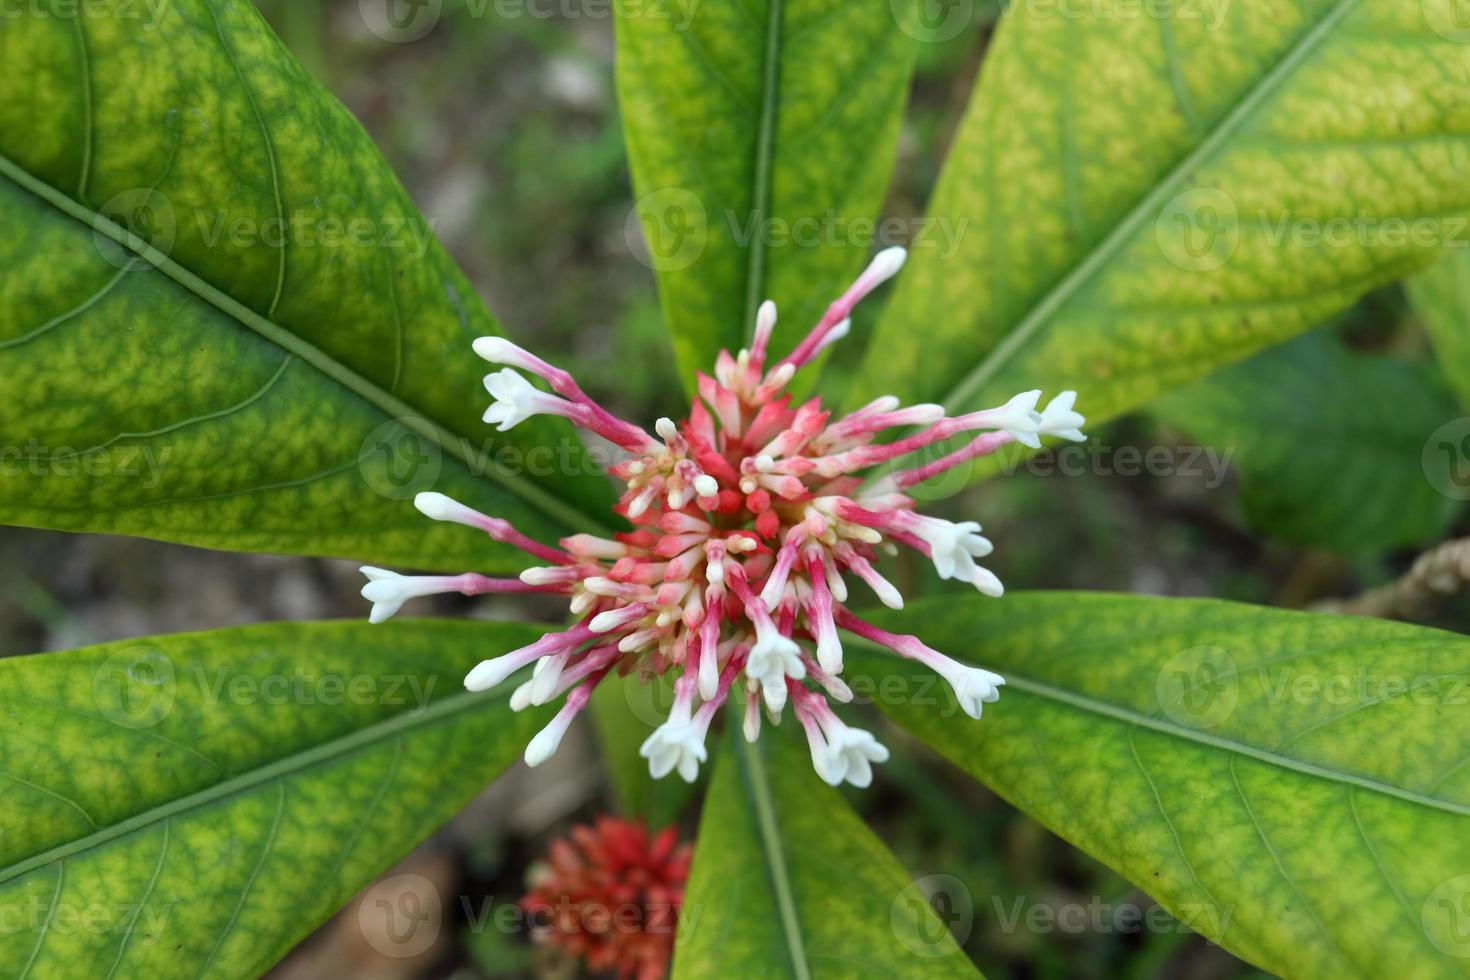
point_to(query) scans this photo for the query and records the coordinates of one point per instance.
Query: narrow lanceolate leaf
(789, 882)
(1441, 297)
(193, 805)
(1293, 786)
(222, 322)
(761, 135)
(1148, 198)
(1319, 462)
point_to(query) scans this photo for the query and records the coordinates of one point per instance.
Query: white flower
(676, 744)
(953, 547)
(773, 659)
(850, 754)
(974, 687)
(709, 674)
(546, 676)
(822, 758)
(548, 740)
(388, 591)
(516, 400)
(1019, 417)
(1058, 418)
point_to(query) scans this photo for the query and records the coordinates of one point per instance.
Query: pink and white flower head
(748, 519)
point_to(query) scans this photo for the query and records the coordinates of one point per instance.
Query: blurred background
(505, 131)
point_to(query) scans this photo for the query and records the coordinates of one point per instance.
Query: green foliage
(227, 318)
(1441, 297)
(223, 323)
(788, 882)
(1270, 777)
(197, 803)
(1145, 199)
(1322, 462)
(761, 138)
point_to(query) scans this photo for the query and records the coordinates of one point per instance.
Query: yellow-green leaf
(789, 882)
(761, 135)
(222, 321)
(1293, 786)
(194, 805)
(1150, 197)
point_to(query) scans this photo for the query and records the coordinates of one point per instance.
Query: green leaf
(1147, 198)
(761, 135)
(1292, 786)
(626, 710)
(789, 882)
(196, 804)
(1320, 464)
(1441, 297)
(222, 322)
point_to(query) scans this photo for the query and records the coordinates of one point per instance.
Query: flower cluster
(749, 518)
(611, 895)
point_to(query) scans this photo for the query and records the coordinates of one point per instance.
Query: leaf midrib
(765, 152)
(476, 461)
(1128, 716)
(1107, 249)
(758, 795)
(297, 762)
